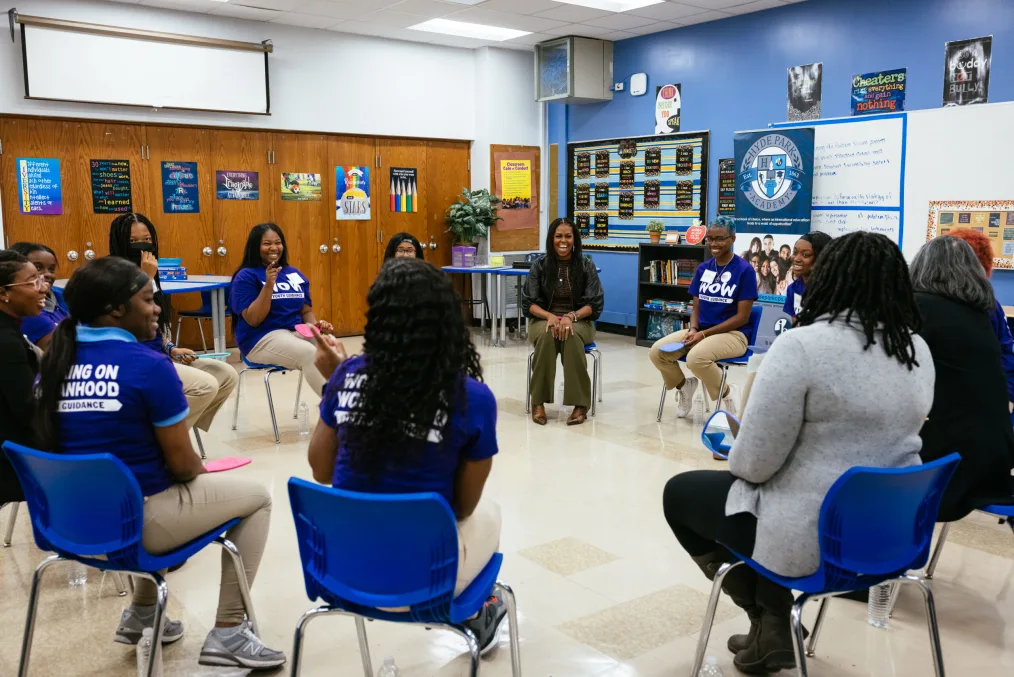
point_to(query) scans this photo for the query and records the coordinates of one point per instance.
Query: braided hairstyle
(864, 275)
(119, 245)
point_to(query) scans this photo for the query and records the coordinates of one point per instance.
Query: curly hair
(864, 274)
(980, 244)
(418, 353)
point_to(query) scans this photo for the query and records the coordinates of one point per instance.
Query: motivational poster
(110, 186)
(39, 187)
(966, 71)
(583, 195)
(653, 161)
(626, 206)
(404, 189)
(301, 187)
(652, 193)
(237, 185)
(352, 193)
(882, 92)
(627, 174)
(668, 101)
(179, 188)
(515, 184)
(684, 160)
(602, 164)
(582, 162)
(601, 195)
(727, 186)
(804, 84)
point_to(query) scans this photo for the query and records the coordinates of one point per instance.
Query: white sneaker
(730, 401)
(686, 396)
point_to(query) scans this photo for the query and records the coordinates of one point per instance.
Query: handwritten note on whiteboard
(858, 164)
(841, 222)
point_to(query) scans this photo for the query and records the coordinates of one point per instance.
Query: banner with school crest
(774, 181)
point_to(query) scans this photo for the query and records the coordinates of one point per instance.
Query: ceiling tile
(306, 20)
(343, 10)
(713, 4)
(241, 12)
(377, 30)
(666, 11)
(619, 22)
(529, 40)
(182, 5)
(702, 18)
(656, 27)
(521, 22)
(427, 8)
(388, 17)
(756, 6)
(283, 5)
(582, 30)
(515, 47)
(457, 41)
(520, 6)
(618, 35)
(573, 13)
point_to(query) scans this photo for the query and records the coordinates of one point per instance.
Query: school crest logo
(771, 173)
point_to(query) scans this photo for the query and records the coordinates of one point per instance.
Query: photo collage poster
(993, 218)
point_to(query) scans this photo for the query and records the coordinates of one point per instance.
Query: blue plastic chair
(755, 319)
(876, 524)
(596, 355)
(1003, 512)
(718, 442)
(82, 520)
(268, 370)
(363, 552)
(202, 313)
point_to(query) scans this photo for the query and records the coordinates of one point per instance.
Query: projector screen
(64, 65)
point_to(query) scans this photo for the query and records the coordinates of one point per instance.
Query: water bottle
(388, 669)
(77, 573)
(144, 649)
(879, 607)
(697, 407)
(710, 668)
(559, 402)
(304, 420)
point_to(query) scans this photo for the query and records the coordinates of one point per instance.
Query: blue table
(214, 284)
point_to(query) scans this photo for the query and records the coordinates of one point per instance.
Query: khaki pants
(288, 349)
(183, 512)
(576, 382)
(207, 384)
(478, 541)
(701, 359)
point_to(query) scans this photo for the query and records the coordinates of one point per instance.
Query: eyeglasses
(38, 282)
(716, 240)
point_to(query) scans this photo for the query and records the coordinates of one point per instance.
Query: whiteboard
(137, 72)
(858, 174)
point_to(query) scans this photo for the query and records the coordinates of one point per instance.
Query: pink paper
(227, 463)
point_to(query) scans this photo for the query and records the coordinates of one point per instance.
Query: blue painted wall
(733, 71)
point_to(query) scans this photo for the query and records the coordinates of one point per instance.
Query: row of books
(672, 271)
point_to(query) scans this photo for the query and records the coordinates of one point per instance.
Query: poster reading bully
(966, 71)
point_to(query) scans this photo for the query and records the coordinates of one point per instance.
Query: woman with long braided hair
(861, 386)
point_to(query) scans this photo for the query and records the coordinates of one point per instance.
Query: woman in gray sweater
(860, 387)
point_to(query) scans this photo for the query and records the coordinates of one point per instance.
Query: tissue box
(463, 257)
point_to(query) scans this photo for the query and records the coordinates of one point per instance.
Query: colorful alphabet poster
(39, 186)
(966, 71)
(179, 188)
(301, 187)
(111, 186)
(774, 181)
(352, 193)
(237, 185)
(727, 186)
(404, 190)
(882, 92)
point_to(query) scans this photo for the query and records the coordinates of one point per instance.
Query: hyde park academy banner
(774, 181)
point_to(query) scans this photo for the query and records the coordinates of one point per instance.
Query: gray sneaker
(686, 397)
(486, 626)
(132, 623)
(241, 648)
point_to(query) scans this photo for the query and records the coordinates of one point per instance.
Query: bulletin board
(994, 218)
(618, 185)
(523, 236)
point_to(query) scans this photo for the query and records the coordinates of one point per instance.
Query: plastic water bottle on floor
(144, 649)
(304, 420)
(77, 573)
(879, 607)
(388, 669)
(559, 402)
(697, 407)
(710, 668)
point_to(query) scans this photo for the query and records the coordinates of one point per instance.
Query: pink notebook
(227, 463)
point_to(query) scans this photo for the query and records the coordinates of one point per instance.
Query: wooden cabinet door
(447, 175)
(409, 154)
(354, 267)
(44, 139)
(102, 141)
(305, 222)
(239, 151)
(182, 235)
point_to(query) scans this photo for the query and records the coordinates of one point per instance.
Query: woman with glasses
(724, 289)
(22, 295)
(39, 329)
(403, 245)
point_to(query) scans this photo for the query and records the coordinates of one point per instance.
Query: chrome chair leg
(200, 328)
(11, 520)
(935, 557)
(811, 647)
(239, 391)
(473, 646)
(297, 644)
(244, 585)
(161, 598)
(709, 615)
(528, 384)
(299, 389)
(121, 588)
(661, 406)
(33, 604)
(364, 646)
(594, 380)
(895, 593)
(200, 444)
(179, 325)
(271, 404)
(931, 621)
(512, 619)
(797, 634)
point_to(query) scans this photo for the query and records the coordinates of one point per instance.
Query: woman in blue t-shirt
(101, 390)
(804, 255)
(412, 415)
(269, 298)
(724, 289)
(39, 328)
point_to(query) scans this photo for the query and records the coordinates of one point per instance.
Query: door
(303, 159)
(44, 139)
(447, 176)
(394, 192)
(238, 155)
(354, 265)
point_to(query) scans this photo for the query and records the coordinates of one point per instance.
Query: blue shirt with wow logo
(291, 293)
(719, 289)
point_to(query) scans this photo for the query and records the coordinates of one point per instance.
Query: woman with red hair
(980, 244)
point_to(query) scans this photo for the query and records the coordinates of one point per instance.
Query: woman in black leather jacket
(563, 298)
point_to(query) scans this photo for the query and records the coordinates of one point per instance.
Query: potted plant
(471, 217)
(655, 230)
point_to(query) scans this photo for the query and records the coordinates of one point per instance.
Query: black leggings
(694, 507)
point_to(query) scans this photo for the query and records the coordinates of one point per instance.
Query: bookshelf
(664, 272)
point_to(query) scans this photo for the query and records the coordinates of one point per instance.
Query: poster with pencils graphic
(404, 190)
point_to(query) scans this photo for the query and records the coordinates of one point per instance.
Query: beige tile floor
(603, 589)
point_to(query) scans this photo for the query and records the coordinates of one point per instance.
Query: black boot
(772, 648)
(740, 585)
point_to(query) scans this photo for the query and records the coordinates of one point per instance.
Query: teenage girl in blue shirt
(269, 298)
(411, 414)
(101, 390)
(804, 255)
(39, 328)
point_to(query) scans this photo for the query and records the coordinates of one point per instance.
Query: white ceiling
(544, 18)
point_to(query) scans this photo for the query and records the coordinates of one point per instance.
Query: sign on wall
(237, 185)
(668, 103)
(727, 186)
(404, 189)
(110, 186)
(39, 186)
(179, 188)
(301, 187)
(966, 71)
(804, 92)
(352, 193)
(774, 183)
(880, 92)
